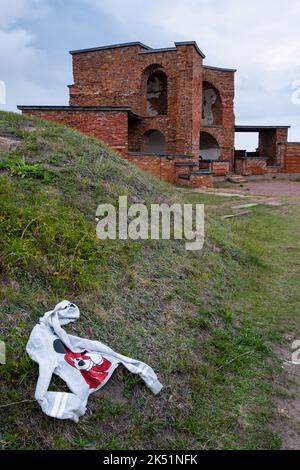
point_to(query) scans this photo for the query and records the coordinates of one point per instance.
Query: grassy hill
(207, 322)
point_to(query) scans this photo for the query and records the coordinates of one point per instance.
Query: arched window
(155, 87)
(209, 147)
(211, 105)
(154, 142)
(157, 95)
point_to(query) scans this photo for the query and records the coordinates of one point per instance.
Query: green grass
(206, 321)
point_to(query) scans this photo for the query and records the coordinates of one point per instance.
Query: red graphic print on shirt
(93, 367)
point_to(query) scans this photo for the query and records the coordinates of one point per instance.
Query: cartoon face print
(87, 364)
(82, 364)
(93, 367)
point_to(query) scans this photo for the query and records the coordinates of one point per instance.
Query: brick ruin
(168, 113)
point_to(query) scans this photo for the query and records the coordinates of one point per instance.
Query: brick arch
(212, 108)
(153, 141)
(155, 90)
(209, 147)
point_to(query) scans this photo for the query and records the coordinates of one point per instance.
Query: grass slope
(206, 321)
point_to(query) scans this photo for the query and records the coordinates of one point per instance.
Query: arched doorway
(209, 147)
(211, 105)
(154, 141)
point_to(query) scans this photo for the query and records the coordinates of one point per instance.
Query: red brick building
(165, 111)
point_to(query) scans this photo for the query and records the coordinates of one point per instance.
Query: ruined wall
(267, 145)
(202, 181)
(102, 77)
(106, 77)
(119, 76)
(289, 154)
(164, 90)
(109, 126)
(196, 104)
(218, 168)
(251, 166)
(223, 129)
(158, 166)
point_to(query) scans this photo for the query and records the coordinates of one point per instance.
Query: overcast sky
(260, 38)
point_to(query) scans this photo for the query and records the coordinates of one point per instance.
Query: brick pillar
(189, 96)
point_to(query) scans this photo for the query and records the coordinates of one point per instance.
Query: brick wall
(219, 168)
(223, 81)
(187, 114)
(109, 126)
(162, 123)
(102, 78)
(118, 76)
(161, 167)
(290, 157)
(268, 140)
(251, 166)
(107, 77)
(201, 181)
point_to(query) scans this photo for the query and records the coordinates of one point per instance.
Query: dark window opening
(157, 94)
(154, 142)
(209, 147)
(211, 106)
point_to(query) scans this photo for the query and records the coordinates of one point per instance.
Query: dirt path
(266, 188)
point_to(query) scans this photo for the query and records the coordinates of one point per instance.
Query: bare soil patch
(268, 188)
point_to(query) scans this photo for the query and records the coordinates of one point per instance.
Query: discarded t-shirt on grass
(84, 365)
